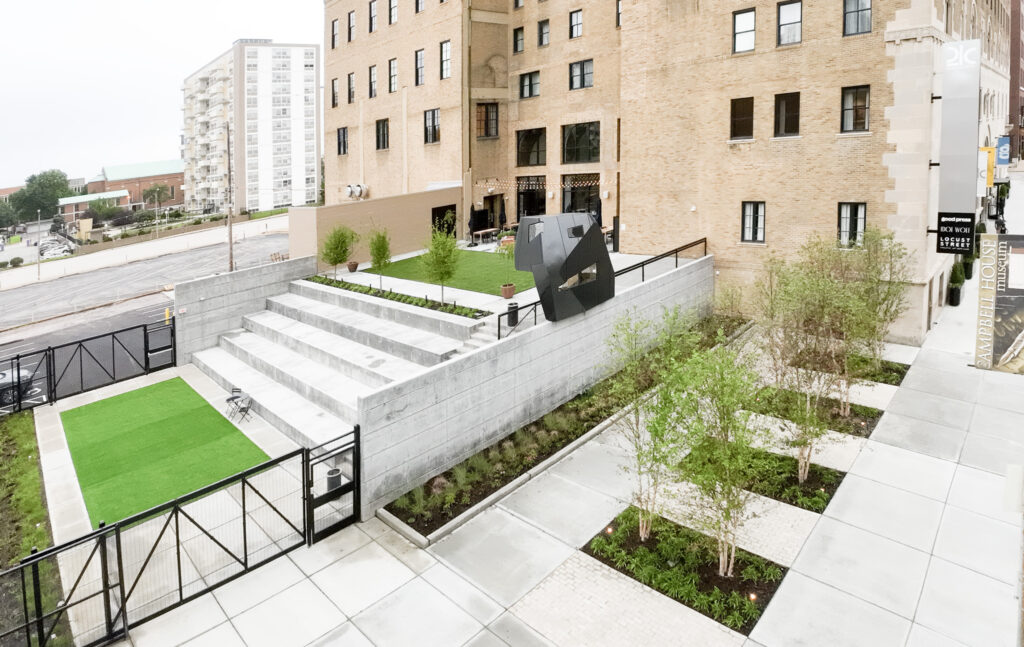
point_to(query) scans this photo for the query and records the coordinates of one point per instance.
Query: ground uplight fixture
(609, 530)
(753, 596)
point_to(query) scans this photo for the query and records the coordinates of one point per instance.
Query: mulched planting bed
(683, 564)
(422, 302)
(862, 368)
(775, 402)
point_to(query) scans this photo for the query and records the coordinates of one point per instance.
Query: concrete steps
(292, 414)
(352, 359)
(412, 344)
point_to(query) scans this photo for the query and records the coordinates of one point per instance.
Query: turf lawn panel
(143, 448)
(475, 271)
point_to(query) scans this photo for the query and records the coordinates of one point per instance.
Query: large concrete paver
(980, 543)
(954, 385)
(223, 635)
(359, 580)
(888, 511)
(905, 469)
(968, 607)
(930, 407)
(991, 453)
(983, 493)
(567, 510)
(294, 617)
(180, 625)
(920, 436)
(400, 619)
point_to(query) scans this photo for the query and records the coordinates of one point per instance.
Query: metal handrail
(522, 310)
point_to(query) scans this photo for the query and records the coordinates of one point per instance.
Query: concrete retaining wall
(414, 429)
(205, 308)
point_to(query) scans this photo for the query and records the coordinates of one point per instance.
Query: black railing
(90, 591)
(522, 312)
(47, 375)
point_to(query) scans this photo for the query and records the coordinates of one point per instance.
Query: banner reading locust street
(1000, 338)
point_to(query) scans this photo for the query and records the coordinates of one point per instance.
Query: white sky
(92, 83)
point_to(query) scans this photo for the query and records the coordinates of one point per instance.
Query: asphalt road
(74, 293)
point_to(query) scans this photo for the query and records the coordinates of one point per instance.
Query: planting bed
(462, 311)
(776, 402)
(683, 564)
(862, 368)
(475, 271)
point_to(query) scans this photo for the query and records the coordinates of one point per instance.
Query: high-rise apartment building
(755, 125)
(252, 123)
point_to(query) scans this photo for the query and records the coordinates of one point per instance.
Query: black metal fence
(90, 591)
(509, 322)
(45, 376)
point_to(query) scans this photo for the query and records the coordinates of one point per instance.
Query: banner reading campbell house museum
(1000, 342)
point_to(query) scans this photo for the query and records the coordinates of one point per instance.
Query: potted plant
(508, 252)
(338, 247)
(968, 264)
(956, 281)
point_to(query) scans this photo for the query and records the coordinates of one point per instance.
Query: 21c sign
(955, 233)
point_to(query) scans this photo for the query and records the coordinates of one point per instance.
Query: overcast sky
(92, 83)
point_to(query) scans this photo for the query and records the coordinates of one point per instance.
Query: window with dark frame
(419, 67)
(856, 109)
(517, 4)
(392, 11)
(486, 120)
(543, 33)
(382, 134)
(741, 118)
(752, 225)
(743, 31)
(373, 15)
(856, 17)
(852, 220)
(581, 74)
(351, 87)
(530, 196)
(446, 59)
(334, 33)
(393, 75)
(334, 93)
(432, 126)
(787, 114)
(581, 143)
(418, 7)
(343, 140)
(790, 22)
(373, 81)
(576, 23)
(618, 13)
(529, 85)
(518, 39)
(351, 25)
(531, 147)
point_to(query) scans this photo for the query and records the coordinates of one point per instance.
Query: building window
(856, 106)
(529, 85)
(419, 6)
(352, 87)
(618, 13)
(517, 4)
(741, 119)
(856, 17)
(581, 143)
(789, 22)
(373, 15)
(530, 199)
(543, 33)
(431, 126)
(392, 11)
(518, 39)
(753, 222)
(351, 25)
(393, 75)
(743, 31)
(531, 147)
(576, 23)
(486, 120)
(419, 67)
(334, 33)
(446, 59)
(373, 81)
(334, 93)
(382, 134)
(787, 114)
(579, 194)
(852, 217)
(343, 141)
(581, 74)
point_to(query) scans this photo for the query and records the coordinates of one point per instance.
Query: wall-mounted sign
(958, 168)
(1003, 151)
(956, 233)
(1000, 339)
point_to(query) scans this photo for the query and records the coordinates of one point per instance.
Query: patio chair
(233, 401)
(243, 410)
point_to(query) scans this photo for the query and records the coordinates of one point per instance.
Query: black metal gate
(332, 486)
(45, 376)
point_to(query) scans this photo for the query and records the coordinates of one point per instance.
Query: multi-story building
(1016, 116)
(252, 127)
(136, 178)
(755, 125)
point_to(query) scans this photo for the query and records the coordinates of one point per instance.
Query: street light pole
(39, 239)
(231, 204)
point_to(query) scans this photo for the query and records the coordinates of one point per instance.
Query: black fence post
(174, 342)
(245, 535)
(309, 522)
(38, 600)
(357, 473)
(24, 605)
(51, 379)
(177, 551)
(145, 345)
(105, 579)
(120, 581)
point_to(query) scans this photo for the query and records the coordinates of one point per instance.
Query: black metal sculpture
(569, 261)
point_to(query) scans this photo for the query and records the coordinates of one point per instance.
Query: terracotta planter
(353, 266)
(508, 290)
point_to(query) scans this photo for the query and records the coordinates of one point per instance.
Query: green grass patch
(450, 308)
(143, 448)
(266, 214)
(779, 402)
(476, 271)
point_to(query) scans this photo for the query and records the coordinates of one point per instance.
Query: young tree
(883, 275)
(700, 407)
(380, 253)
(338, 247)
(442, 255)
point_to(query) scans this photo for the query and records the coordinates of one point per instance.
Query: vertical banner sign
(959, 157)
(990, 165)
(956, 233)
(1003, 151)
(1000, 339)
(982, 172)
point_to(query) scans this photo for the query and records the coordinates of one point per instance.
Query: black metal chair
(242, 411)
(233, 401)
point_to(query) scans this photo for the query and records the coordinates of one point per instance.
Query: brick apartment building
(755, 124)
(136, 178)
(1016, 116)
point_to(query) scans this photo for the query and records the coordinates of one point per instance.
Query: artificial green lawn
(143, 448)
(476, 271)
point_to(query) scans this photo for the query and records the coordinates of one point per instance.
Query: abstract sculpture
(569, 261)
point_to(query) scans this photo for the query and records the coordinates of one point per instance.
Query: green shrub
(956, 277)
(197, 221)
(3, 264)
(17, 261)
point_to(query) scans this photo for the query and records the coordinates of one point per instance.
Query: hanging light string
(539, 182)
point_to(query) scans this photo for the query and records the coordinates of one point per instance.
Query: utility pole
(39, 239)
(231, 205)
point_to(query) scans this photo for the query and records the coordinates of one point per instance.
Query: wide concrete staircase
(307, 357)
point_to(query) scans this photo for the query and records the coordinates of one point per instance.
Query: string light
(538, 182)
